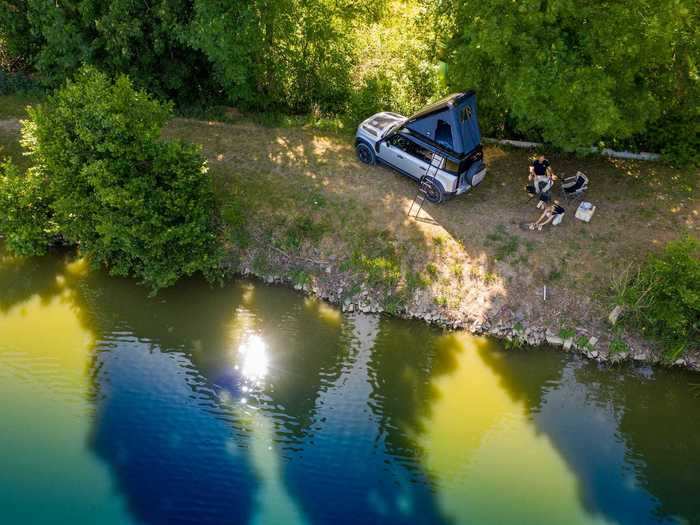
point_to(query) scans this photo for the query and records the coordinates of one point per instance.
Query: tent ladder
(424, 186)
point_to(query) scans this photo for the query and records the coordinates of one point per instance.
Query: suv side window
(451, 166)
(410, 147)
(398, 141)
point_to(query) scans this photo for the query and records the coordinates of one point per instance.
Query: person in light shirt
(550, 214)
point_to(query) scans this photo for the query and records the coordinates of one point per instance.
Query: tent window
(443, 134)
(466, 113)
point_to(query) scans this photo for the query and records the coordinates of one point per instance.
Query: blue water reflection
(585, 430)
(177, 454)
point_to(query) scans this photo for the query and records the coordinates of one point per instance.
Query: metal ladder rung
(421, 194)
(420, 197)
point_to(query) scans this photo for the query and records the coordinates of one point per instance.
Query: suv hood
(378, 124)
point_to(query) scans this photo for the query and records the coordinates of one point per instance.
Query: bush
(663, 298)
(106, 182)
(26, 217)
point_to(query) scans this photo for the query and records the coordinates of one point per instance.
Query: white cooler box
(585, 211)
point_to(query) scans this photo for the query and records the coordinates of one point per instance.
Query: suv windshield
(391, 128)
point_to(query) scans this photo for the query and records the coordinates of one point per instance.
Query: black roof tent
(450, 124)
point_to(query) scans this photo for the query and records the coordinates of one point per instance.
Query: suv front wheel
(365, 153)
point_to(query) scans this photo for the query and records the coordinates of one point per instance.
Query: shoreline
(518, 332)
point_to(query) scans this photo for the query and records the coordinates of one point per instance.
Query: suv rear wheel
(365, 153)
(433, 190)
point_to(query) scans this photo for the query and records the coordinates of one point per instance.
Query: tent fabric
(450, 122)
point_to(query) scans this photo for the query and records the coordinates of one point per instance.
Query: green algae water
(252, 404)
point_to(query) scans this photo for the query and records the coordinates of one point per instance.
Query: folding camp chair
(541, 187)
(573, 188)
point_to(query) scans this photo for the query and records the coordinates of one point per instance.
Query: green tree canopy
(570, 73)
(18, 45)
(278, 54)
(140, 39)
(575, 72)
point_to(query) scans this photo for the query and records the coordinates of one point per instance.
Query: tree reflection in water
(343, 472)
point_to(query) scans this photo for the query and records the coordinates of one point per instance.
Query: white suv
(439, 145)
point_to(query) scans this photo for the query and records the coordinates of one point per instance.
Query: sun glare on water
(255, 361)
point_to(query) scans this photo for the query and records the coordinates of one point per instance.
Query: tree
(571, 73)
(288, 55)
(106, 182)
(398, 52)
(577, 72)
(26, 217)
(18, 45)
(140, 39)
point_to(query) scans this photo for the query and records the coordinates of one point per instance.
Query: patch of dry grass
(14, 106)
(304, 192)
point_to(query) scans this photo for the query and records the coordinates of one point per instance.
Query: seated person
(542, 180)
(550, 214)
(540, 168)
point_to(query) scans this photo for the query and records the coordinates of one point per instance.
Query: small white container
(585, 211)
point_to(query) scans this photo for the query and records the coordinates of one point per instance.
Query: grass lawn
(298, 198)
(296, 202)
(14, 106)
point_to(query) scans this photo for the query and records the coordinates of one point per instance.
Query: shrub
(106, 182)
(663, 298)
(302, 228)
(26, 217)
(618, 346)
(377, 260)
(235, 215)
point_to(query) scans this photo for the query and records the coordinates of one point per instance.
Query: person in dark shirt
(541, 180)
(549, 214)
(540, 168)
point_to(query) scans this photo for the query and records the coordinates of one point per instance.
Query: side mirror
(383, 139)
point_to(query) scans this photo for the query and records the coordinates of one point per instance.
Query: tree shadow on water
(657, 427)
(349, 470)
(177, 454)
(172, 418)
(174, 454)
(22, 278)
(605, 423)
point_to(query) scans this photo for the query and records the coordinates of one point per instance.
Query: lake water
(251, 404)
